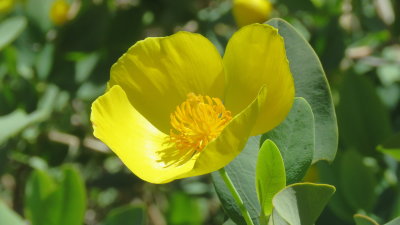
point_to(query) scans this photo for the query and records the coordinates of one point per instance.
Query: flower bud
(251, 11)
(59, 12)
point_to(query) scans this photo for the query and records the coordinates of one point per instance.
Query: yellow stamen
(197, 122)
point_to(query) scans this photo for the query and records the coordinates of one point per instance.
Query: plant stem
(236, 196)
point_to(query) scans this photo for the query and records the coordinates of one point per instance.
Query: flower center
(197, 121)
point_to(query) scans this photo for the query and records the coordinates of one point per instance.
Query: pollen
(197, 121)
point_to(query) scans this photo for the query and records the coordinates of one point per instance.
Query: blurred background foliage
(55, 57)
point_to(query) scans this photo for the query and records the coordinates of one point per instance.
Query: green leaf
(395, 221)
(183, 210)
(39, 16)
(229, 222)
(270, 175)
(302, 203)
(12, 124)
(51, 203)
(364, 220)
(18, 120)
(85, 66)
(10, 29)
(8, 216)
(242, 173)
(330, 174)
(276, 219)
(126, 215)
(391, 146)
(363, 119)
(73, 200)
(38, 188)
(311, 84)
(44, 61)
(358, 182)
(295, 140)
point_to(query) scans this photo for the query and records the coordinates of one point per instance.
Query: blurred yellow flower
(6, 5)
(251, 11)
(174, 108)
(59, 12)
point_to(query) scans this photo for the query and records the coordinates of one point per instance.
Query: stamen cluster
(197, 122)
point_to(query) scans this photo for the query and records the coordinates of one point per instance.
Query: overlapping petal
(255, 56)
(134, 139)
(158, 73)
(230, 142)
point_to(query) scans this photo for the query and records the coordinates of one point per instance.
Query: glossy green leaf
(13, 123)
(395, 221)
(8, 216)
(10, 29)
(38, 189)
(312, 85)
(357, 181)
(39, 15)
(302, 203)
(55, 203)
(242, 173)
(330, 174)
(73, 197)
(295, 140)
(391, 146)
(126, 215)
(44, 61)
(270, 175)
(229, 222)
(364, 220)
(183, 210)
(363, 119)
(84, 67)
(18, 120)
(276, 219)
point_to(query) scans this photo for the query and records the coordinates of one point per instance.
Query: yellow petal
(158, 73)
(134, 139)
(255, 56)
(231, 141)
(251, 11)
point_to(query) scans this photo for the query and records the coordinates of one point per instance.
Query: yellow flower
(6, 5)
(59, 12)
(251, 11)
(174, 108)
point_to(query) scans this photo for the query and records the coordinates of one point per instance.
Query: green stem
(236, 196)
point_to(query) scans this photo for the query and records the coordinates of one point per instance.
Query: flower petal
(158, 73)
(134, 139)
(230, 142)
(255, 56)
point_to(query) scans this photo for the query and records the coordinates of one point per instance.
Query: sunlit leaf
(10, 29)
(126, 215)
(312, 85)
(8, 216)
(270, 175)
(295, 140)
(364, 220)
(395, 221)
(302, 203)
(391, 146)
(183, 210)
(38, 188)
(242, 173)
